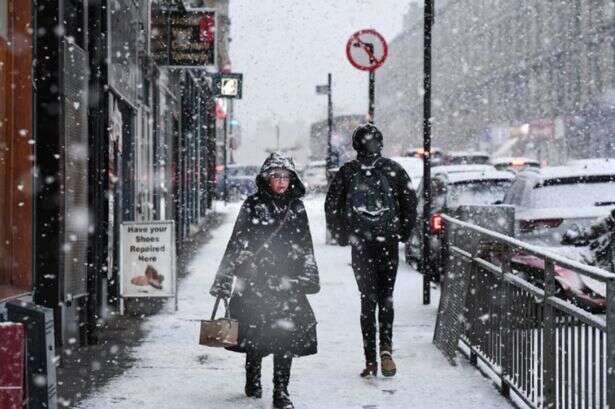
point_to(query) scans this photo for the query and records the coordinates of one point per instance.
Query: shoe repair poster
(147, 259)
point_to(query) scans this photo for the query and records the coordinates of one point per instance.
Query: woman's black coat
(273, 275)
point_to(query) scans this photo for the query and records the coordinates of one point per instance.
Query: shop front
(16, 153)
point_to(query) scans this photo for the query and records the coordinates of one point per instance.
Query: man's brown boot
(387, 364)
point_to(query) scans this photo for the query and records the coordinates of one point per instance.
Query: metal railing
(547, 350)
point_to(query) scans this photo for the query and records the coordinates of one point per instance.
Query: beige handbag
(221, 332)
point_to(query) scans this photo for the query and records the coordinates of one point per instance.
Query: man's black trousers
(375, 269)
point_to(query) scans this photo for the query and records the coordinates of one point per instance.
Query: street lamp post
(326, 89)
(330, 126)
(225, 174)
(426, 250)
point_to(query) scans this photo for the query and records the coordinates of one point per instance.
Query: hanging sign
(367, 50)
(228, 85)
(184, 38)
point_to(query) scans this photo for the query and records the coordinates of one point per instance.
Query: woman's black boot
(281, 399)
(281, 377)
(253, 387)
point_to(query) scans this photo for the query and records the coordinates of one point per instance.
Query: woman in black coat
(271, 257)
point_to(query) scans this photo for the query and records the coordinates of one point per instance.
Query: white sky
(285, 48)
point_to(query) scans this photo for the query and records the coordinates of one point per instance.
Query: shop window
(74, 22)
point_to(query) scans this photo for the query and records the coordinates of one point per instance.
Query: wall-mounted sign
(147, 259)
(322, 89)
(184, 38)
(228, 85)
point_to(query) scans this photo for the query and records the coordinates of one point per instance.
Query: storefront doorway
(15, 149)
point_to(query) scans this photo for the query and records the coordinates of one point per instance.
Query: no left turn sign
(367, 50)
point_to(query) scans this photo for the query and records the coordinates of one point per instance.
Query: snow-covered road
(172, 371)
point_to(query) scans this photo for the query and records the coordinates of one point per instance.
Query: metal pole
(425, 259)
(372, 88)
(330, 125)
(550, 339)
(225, 161)
(230, 131)
(610, 344)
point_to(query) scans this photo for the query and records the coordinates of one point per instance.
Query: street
(172, 371)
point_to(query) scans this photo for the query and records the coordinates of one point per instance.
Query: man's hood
(278, 160)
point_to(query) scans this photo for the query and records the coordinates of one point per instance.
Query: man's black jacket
(335, 204)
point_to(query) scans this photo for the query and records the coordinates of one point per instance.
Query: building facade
(92, 135)
(526, 74)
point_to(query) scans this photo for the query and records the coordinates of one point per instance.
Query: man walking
(371, 205)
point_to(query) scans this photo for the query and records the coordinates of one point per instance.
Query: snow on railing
(552, 345)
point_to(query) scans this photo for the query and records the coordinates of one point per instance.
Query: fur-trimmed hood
(278, 160)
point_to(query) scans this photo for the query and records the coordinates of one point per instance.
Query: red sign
(207, 28)
(367, 50)
(12, 359)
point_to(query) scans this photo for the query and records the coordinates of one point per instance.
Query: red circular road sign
(367, 50)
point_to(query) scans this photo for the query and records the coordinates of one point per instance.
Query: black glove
(220, 290)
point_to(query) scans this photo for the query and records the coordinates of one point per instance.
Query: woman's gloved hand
(220, 290)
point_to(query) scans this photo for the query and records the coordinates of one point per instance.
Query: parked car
(436, 155)
(413, 167)
(466, 158)
(451, 187)
(515, 164)
(240, 181)
(552, 200)
(592, 162)
(315, 176)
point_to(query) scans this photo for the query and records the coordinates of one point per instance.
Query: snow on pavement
(172, 371)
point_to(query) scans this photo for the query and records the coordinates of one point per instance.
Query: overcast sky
(284, 48)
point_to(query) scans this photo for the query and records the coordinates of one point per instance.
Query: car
(515, 164)
(241, 181)
(552, 200)
(466, 158)
(452, 187)
(592, 162)
(436, 155)
(413, 167)
(315, 176)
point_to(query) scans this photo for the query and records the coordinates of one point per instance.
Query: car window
(477, 192)
(468, 160)
(243, 171)
(574, 192)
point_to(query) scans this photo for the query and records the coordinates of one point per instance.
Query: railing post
(610, 344)
(549, 344)
(505, 324)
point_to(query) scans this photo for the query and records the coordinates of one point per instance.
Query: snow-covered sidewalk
(172, 371)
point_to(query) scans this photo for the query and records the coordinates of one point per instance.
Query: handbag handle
(227, 313)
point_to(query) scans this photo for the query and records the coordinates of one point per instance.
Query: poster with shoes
(147, 259)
